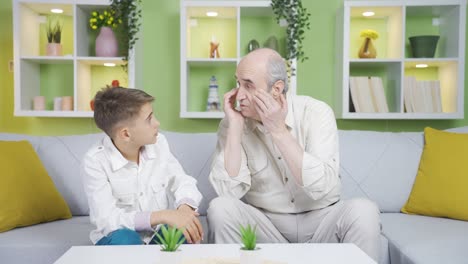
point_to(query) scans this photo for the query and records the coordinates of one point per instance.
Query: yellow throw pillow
(441, 185)
(27, 194)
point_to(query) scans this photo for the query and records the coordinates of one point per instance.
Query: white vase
(170, 257)
(251, 256)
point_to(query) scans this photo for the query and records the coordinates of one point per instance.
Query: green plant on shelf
(54, 29)
(248, 237)
(171, 238)
(106, 18)
(297, 19)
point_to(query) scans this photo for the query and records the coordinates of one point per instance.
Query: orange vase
(367, 50)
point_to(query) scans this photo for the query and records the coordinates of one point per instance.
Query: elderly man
(280, 154)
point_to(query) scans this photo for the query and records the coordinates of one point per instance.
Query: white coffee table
(285, 253)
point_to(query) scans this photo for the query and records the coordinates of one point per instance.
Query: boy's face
(145, 127)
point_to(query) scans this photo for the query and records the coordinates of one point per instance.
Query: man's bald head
(272, 65)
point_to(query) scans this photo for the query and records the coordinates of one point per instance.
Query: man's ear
(277, 89)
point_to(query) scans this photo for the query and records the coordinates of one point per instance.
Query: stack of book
(368, 94)
(422, 96)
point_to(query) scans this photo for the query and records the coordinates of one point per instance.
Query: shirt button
(99, 147)
(286, 179)
(279, 158)
(141, 193)
(292, 200)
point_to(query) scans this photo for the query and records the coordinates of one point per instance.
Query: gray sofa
(378, 165)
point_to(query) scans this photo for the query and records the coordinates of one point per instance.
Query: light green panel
(67, 36)
(261, 29)
(417, 26)
(224, 30)
(160, 63)
(200, 80)
(102, 76)
(389, 85)
(359, 24)
(429, 73)
(56, 81)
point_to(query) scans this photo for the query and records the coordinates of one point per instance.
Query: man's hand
(272, 112)
(184, 217)
(234, 117)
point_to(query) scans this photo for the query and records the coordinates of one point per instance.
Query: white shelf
(78, 73)
(230, 30)
(395, 21)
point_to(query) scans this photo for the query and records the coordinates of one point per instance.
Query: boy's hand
(184, 217)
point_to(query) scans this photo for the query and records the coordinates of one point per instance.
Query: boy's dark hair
(115, 105)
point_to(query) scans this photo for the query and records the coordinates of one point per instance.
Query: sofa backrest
(378, 165)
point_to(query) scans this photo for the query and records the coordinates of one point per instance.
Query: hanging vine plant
(129, 11)
(297, 19)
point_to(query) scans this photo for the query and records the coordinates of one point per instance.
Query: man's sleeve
(224, 184)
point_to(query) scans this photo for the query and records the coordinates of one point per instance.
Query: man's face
(251, 76)
(145, 127)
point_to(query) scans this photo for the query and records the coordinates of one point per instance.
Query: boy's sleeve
(183, 186)
(104, 213)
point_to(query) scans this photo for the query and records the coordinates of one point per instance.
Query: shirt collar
(252, 124)
(118, 161)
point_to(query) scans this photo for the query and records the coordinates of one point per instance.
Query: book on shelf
(422, 96)
(368, 94)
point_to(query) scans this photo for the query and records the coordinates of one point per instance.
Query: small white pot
(168, 257)
(251, 256)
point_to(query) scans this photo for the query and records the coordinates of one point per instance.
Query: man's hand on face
(234, 117)
(272, 112)
(184, 217)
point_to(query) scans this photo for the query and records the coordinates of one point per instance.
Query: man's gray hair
(275, 71)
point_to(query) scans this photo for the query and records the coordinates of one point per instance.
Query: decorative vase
(367, 50)
(170, 257)
(272, 43)
(251, 256)
(252, 45)
(54, 49)
(423, 46)
(106, 43)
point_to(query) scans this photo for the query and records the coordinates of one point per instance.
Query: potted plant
(249, 253)
(296, 17)
(106, 41)
(54, 36)
(170, 240)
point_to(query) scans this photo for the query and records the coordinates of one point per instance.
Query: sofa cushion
(27, 193)
(440, 186)
(44, 243)
(424, 239)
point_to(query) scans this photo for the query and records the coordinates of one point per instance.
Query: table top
(219, 253)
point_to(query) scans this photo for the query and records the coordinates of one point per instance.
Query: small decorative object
(106, 41)
(252, 45)
(272, 43)
(249, 253)
(67, 103)
(367, 49)
(115, 83)
(212, 103)
(170, 241)
(39, 103)
(423, 46)
(214, 45)
(57, 103)
(54, 36)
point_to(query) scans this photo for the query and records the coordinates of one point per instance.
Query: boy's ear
(124, 134)
(277, 89)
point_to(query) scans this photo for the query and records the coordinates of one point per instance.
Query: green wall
(160, 64)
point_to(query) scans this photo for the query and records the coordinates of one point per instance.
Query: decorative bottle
(212, 103)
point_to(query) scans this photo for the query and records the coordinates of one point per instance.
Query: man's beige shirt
(264, 178)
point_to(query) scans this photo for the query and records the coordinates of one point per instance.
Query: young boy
(131, 178)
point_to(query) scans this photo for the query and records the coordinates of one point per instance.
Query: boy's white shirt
(122, 194)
